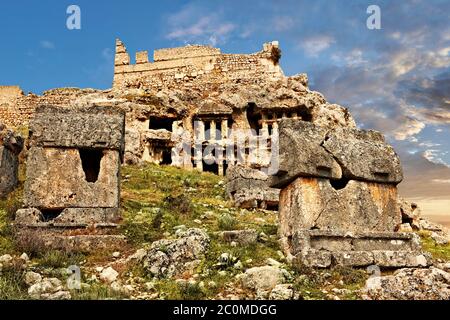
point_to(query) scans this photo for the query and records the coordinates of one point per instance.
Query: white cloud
(47, 44)
(191, 25)
(315, 45)
(434, 156)
(408, 128)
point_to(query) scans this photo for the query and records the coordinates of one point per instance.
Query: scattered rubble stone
(109, 275)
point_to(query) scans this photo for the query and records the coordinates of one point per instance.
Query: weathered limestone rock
(51, 185)
(302, 153)
(168, 258)
(310, 150)
(410, 284)
(411, 213)
(48, 289)
(249, 188)
(282, 292)
(323, 249)
(90, 142)
(29, 216)
(91, 127)
(10, 147)
(263, 279)
(241, 237)
(109, 275)
(358, 207)
(73, 176)
(339, 202)
(364, 155)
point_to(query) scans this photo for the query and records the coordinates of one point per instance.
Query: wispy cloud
(192, 25)
(283, 23)
(47, 44)
(315, 45)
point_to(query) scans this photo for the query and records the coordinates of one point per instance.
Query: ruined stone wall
(194, 64)
(16, 108)
(9, 92)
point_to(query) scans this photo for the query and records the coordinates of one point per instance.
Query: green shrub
(227, 222)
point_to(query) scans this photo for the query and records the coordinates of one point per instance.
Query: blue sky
(396, 80)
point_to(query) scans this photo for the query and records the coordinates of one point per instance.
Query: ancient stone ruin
(73, 171)
(195, 107)
(339, 203)
(10, 147)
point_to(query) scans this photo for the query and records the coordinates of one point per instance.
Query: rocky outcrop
(168, 258)
(410, 284)
(11, 145)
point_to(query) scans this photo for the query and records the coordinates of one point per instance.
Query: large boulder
(263, 279)
(168, 258)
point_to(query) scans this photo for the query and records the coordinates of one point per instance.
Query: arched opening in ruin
(157, 123)
(90, 161)
(340, 183)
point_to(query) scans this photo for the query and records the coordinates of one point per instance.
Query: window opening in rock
(50, 214)
(211, 165)
(207, 130)
(90, 161)
(253, 118)
(305, 114)
(157, 123)
(339, 184)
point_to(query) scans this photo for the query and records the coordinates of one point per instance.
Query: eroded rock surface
(11, 145)
(410, 284)
(168, 258)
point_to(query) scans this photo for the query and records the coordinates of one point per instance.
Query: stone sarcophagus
(10, 147)
(73, 168)
(338, 203)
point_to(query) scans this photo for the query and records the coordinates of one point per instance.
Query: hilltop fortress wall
(194, 63)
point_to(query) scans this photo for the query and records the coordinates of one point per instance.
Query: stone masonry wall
(16, 108)
(199, 64)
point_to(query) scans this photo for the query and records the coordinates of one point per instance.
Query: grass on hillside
(156, 199)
